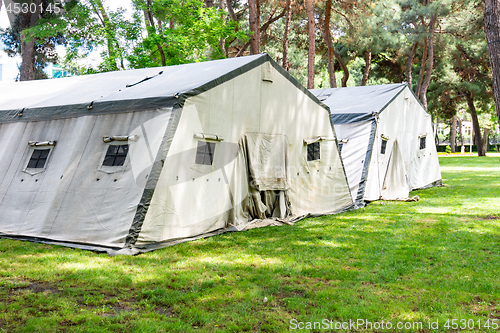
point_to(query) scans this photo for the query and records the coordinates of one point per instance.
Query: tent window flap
(422, 142)
(383, 146)
(313, 151)
(205, 153)
(38, 159)
(115, 156)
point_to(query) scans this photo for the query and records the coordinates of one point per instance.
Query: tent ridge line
(183, 96)
(416, 97)
(297, 84)
(404, 85)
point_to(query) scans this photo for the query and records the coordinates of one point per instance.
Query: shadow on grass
(417, 261)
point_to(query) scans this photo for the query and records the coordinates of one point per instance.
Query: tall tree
(409, 63)
(151, 27)
(430, 64)
(453, 134)
(328, 39)
(28, 20)
(115, 56)
(254, 23)
(286, 33)
(366, 72)
(492, 30)
(475, 123)
(312, 44)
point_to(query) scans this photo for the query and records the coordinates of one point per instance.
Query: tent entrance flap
(395, 183)
(266, 156)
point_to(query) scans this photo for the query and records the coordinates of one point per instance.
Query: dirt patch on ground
(43, 287)
(164, 311)
(480, 306)
(36, 287)
(489, 217)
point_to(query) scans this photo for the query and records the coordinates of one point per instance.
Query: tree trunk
(428, 74)
(329, 45)
(222, 41)
(151, 29)
(486, 139)
(253, 20)
(368, 61)
(492, 30)
(110, 37)
(422, 70)
(475, 124)
(209, 3)
(436, 136)
(409, 63)
(453, 134)
(27, 70)
(460, 132)
(288, 8)
(344, 68)
(312, 44)
(262, 30)
(230, 10)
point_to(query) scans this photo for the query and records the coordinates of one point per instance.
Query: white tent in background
(386, 140)
(135, 160)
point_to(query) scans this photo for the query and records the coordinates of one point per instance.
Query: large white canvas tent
(386, 140)
(135, 160)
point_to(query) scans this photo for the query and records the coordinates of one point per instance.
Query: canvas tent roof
(353, 104)
(116, 91)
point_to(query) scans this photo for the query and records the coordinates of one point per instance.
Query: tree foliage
(437, 46)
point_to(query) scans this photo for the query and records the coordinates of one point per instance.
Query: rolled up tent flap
(110, 138)
(308, 141)
(205, 136)
(41, 143)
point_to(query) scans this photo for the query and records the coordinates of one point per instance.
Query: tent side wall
(192, 199)
(405, 121)
(356, 154)
(75, 198)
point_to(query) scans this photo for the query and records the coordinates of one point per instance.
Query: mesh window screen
(313, 151)
(38, 159)
(422, 142)
(205, 153)
(384, 145)
(115, 156)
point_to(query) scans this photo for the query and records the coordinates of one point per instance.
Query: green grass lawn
(431, 260)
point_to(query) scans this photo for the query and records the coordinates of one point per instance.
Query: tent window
(422, 142)
(383, 146)
(115, 156)
(38, 158)
(313, 151)
(205, 153)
